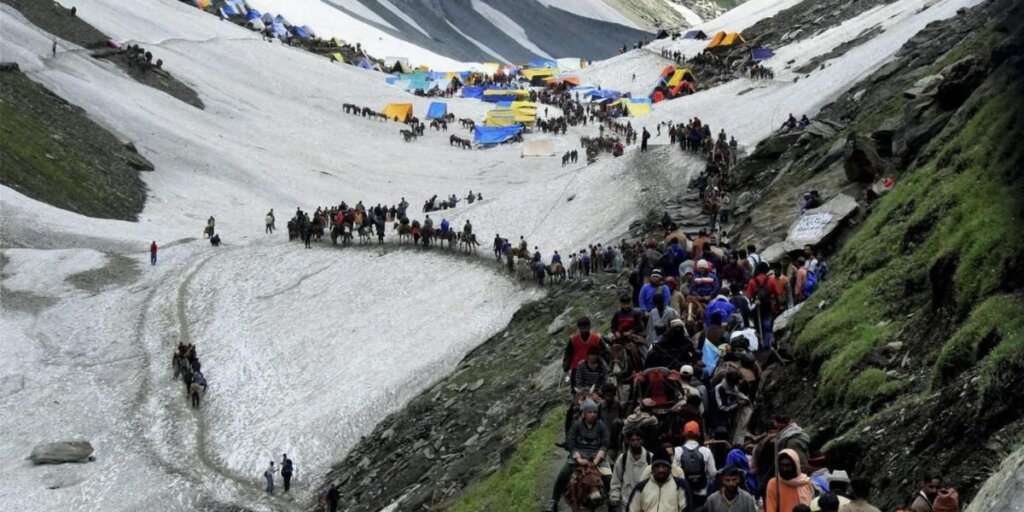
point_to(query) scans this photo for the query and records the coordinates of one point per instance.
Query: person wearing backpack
(628, 471)
(287, 469)
(764, 291)
(697, 461)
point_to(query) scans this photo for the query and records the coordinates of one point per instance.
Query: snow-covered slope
(301, 358)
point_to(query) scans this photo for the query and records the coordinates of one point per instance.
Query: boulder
(861, 162)
(61, 452)
(782, 321)
(961, 78)
(817, 224)
(923, 86)
(775, 145)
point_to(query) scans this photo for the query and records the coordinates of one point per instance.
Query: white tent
(543, 147)
(568, 64)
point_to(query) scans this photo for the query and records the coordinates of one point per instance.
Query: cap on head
(692, 428)
(686, 370)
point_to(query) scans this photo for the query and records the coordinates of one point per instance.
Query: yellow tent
(637, 109)
(732, 38)
(716, 39)
(680, 75)
(337, 57)
(398, 111)
(519, 93)
(202, 4)
(535, 72)
(423, 67)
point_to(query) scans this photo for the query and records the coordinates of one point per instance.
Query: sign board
(810, 226)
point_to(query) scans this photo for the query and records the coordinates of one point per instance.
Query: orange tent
(717, 38)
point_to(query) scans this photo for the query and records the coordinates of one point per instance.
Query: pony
(468, 242)
(522, 268)
(404, 232)
(586, 489)
(449, 236)
(556, 272)
(365, 234)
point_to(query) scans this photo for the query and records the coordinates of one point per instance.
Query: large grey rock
(961, 78)
(783, 320)
(61, 452)
(923, 86)
(775, 145)
(860, 160)
(1004, 490)
(815, 225)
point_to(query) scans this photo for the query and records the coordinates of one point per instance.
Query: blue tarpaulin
(418, 85)
(762, 53)
(604, 94)
(472, 92)
(391, 80)
(253, 15)
(495, 134)
(437, 110)
(498, 98)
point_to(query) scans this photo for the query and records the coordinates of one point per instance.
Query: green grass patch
(949, 230)
(979, 43)
(514, 487)
(997, 321)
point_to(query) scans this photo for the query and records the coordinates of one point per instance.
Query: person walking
(333, 497)
(152, 253)
(269, 475)
(287, 469)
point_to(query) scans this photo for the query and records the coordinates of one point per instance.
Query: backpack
(822, 270)
(763, 295)
(287, 469)
(692, 462)
(810, 284)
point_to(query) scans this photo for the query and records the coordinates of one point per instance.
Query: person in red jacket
(579, 343)
(764, 293)
(152, 252)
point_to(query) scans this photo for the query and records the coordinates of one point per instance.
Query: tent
(681, 86)
(397, 65)
(542, 63)
(496, 95)
(723, 40)
(695, 34)
(532, 73)
(365, 63)
(255, 24)
(400, 111)
(280, 19)
(761, 53)
(419, 84)
(495, 134)
(309, 31)
(253, 14)
(437, 110)
(605, 94)
(635, 109)
(470, 91)
(278, 30)
(228, 11)
(679, 75)
(569, 64)
(337, 57)
(267, 18)
(561, 80)
(538, 148)
(662, 34)
(301, 33)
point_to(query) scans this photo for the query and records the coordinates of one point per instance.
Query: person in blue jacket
(720, 305)
(556, 258)
(705, 282)
(444, 226)
(648, 291)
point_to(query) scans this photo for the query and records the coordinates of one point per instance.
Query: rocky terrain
(52, 152)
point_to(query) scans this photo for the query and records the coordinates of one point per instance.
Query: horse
(434, 125)
(427, 235)
(408, 135)
(365, 234)
(448, 236)
(404, 232)
(586, 489)
(468, 242)
(694, 319)
(293, 230)
(522, 269)
(208, 231)
(556, 271)
(335, 233)
(346, 234)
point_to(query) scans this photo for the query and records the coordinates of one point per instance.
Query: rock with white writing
(813, 226)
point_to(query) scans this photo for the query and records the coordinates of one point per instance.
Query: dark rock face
(62, 452)
(960, 79)
(556, 32)
(860, 160)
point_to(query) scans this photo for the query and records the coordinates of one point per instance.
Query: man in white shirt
(628, 471)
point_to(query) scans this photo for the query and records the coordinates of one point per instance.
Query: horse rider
(556, 258)
(444, 226)
(467, 230)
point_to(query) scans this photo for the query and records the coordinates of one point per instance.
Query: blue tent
(542, 63)
(278, 30)
(253, 15)
(495, 134)
(390, 79)
(604, 94)
(229, 10)
(280, 19)
(267, 18)
(762, 53)
(301, 32)
(695, 34)
(365, 63)
(437, 110)
(472, 92)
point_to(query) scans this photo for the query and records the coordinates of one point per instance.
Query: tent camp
(761, 53)
(437, 110)
(695, 34)
(400, 112)
(725, 40)
(637, 106)
(397, 65)
(544, 147)
(487, 135)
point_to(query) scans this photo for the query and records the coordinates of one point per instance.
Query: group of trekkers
(185, 363)
(662, 401)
